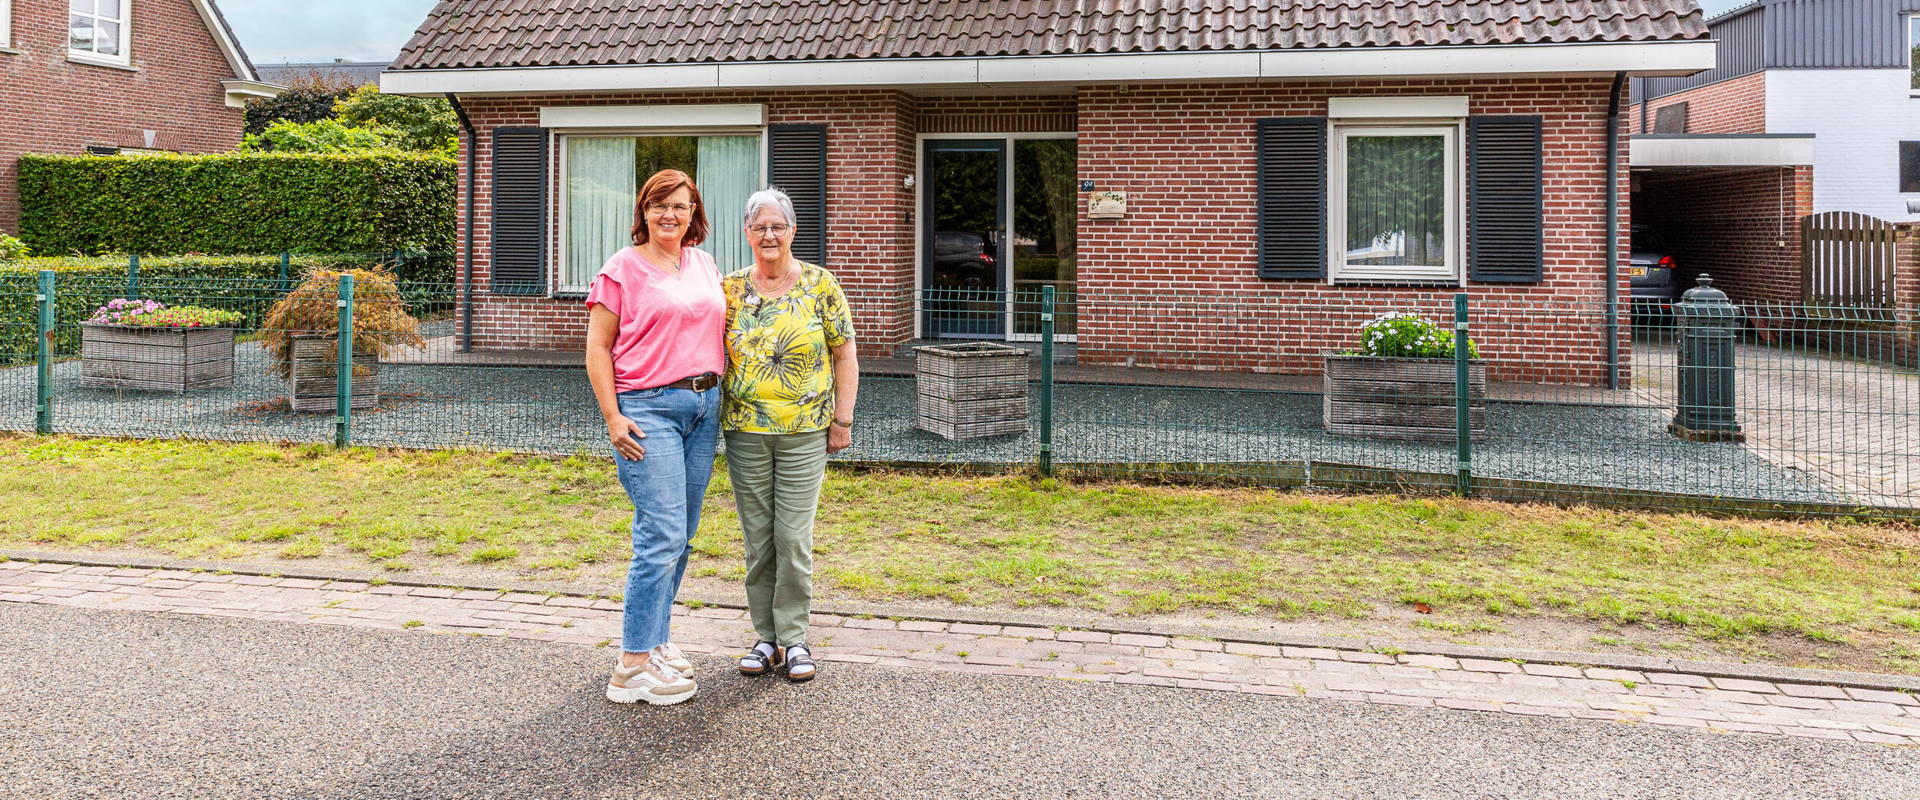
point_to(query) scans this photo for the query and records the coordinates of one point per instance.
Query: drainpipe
(1613, 231)
(466, 281)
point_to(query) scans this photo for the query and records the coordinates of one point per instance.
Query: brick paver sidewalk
(1558, 690)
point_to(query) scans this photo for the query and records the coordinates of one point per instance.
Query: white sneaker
(674, 660)
(652, 683)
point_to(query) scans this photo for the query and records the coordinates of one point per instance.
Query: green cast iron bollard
(343, 367)
(1708, 326)
(1462, 419)
(43, 358)
(133, 276)
(1046, 381)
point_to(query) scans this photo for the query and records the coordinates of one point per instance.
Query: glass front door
(962, 243)
(999, 217)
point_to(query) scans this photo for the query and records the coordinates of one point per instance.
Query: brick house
(1287, 170)
(1813, 106)
(81, 76)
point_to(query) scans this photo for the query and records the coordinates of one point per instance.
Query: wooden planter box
(1401, 398)
(315, 380)
(155, 359)
(971, 390)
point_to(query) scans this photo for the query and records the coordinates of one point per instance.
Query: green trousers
(776, 485)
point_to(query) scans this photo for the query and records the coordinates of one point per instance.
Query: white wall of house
(1858, 118)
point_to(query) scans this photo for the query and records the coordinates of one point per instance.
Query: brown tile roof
(500, 33)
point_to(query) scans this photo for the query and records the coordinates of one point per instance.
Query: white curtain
(729, 171)
(600, 191)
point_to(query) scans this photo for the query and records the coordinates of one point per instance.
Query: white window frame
(557, 183)
(6, 24)
(1454, 206)
(125, 21)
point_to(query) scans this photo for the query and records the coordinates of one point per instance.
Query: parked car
(964, 260)
(1654, 276)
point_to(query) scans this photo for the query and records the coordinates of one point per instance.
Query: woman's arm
(846, 390)
(602, 327)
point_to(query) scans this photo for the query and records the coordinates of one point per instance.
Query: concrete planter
(971, 390)
(1401, 398)
(155, 359)
(314, 382)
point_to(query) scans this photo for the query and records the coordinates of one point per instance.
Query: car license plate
(1636, 272)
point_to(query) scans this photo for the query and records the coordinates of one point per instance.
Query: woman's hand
(626, 436)
(838, 438)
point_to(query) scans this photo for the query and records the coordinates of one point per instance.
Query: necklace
(669, 264)
(779, 287)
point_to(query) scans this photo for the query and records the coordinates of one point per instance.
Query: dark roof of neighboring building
(357, 72)
(520, 33)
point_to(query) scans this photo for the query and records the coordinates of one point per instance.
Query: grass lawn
(1829, 593)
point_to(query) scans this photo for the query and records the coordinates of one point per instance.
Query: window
(1910, 166)
(98, 29)
(1394, 203)
(1913, 52)
(602, 176)
(6, 23)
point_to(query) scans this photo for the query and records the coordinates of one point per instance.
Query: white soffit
(1707, 150)
(718, 115)
(1398, 107)
(1638, 58)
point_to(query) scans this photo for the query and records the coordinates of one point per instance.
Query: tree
(321, 136)
(426, 124)
(308, 98)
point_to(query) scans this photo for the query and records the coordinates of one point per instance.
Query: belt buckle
(705, 381)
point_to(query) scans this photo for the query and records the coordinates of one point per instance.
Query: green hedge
(247, 284)
(238, 203)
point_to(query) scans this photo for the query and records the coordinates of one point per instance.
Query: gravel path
(124, 704)
(551, 411)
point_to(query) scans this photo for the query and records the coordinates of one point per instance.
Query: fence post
(133, 276)
(43, 358)
(286, 260)
(1462, 419)
(1046, 381)
(343, 367)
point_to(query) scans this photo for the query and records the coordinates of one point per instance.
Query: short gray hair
(769, 197)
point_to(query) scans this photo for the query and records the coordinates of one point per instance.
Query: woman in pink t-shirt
(655, 348)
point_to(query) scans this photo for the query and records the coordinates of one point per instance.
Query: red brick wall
(1000, 114)
(51, 105)
(1738, 105)
(1185, 156)
(1740, 225)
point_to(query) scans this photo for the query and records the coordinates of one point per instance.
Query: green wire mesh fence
(1797, 409)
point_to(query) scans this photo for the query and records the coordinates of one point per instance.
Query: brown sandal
(763, 658)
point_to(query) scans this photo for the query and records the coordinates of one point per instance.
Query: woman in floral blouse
(790, 384)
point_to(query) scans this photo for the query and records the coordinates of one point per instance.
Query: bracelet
(848, 424)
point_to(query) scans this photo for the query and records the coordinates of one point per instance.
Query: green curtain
(729, 171)
(600, 193)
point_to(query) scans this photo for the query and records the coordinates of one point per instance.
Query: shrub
(308, 98)
(1397, 334)
(12, 249)
(380, 319)
(155, 314)
(425, 124)
(238, 203)
(320, 136)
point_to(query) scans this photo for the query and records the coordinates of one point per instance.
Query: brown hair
(657, 189)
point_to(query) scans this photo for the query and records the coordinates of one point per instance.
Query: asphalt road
(133, 705)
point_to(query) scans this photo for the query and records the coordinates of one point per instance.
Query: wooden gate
(1846, 259)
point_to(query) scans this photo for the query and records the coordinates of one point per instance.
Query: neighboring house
(105, 76)
(1814, 106)
(1288, 170)
(337, 71)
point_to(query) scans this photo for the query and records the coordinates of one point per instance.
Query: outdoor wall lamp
(907, 182)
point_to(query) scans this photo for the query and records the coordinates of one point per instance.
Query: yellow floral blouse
(779, 377)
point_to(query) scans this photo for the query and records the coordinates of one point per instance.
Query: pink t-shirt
(671, 327)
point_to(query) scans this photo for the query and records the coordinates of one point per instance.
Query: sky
(282, 31)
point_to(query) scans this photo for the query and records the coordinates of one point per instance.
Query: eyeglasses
(678, 209)
(777, 229)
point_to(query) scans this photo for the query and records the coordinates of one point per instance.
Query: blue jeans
(667, 487)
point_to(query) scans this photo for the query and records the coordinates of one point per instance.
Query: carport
(1726, 204)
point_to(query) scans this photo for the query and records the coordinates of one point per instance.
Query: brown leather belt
(697, 383)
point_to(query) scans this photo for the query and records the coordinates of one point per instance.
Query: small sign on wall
(1107, 205)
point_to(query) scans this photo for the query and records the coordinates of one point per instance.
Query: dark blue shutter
(519, 246)
(1291, 158)
(797, 165)
(1505, 200)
